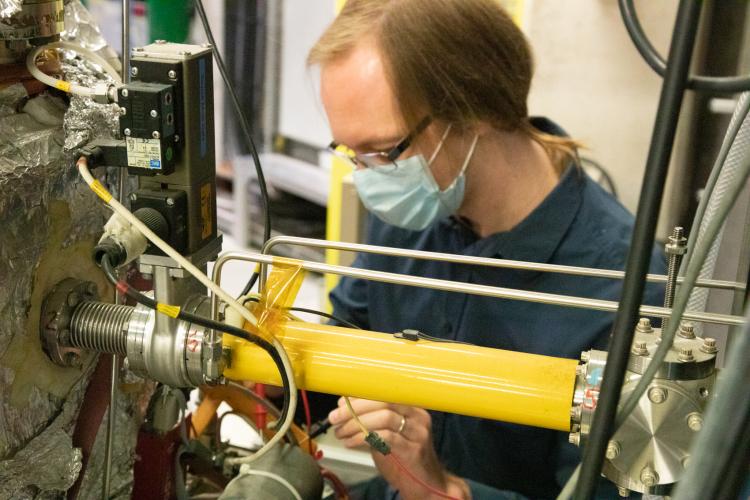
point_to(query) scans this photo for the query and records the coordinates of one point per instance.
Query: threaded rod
(101, 327)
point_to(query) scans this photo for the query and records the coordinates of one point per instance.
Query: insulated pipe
(510, 386)
(639, 256)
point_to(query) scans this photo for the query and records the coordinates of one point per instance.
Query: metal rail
(483, 261)
(473, 289)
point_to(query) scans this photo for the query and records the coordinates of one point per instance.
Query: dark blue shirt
(577, 224)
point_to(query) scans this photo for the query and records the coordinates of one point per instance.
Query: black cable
(639, 256)
(207, 323)
(729, 84)
(245, 126)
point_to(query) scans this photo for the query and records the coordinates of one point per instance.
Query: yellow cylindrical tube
(502, 385)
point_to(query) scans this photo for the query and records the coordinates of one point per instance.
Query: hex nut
(657, 395)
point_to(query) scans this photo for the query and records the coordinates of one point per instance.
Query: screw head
(172, 74)
(134, 71)
(709, 346)
(92, 289)
(640, 348)
(170, 202)
(73, 299)
(126, 131)
(176, 138)
(649, 477)
(575, 413)
(133, 197)
(574, 438)
(124, 92)
(153, 113)
(613, 450)
(695, 421)
(623, 491)
(686, 354)
(123, 111)
(687, 330)
(644, 325)
(155, 134)
(657, 395)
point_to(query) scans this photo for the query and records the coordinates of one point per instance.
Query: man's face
(363, 112)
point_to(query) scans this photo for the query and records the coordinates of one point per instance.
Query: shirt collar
(538, 236)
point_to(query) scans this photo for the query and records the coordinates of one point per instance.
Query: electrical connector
(377, 443)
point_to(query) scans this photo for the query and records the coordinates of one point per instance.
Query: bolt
(154, 113)
(613, 450)
(639, 348)
(126, 131)
(170, 202)
(623, 491)
(586, 356)
(155, 134)
(575, 413)
(686, 354)
(124, 92)
(677, 242)
(133, 197)
(644, 325)
(695, 421)
(73, 299)
(649, 477)
(709, 345)
(172, 74)
(134, 71)
(176, 138)
(123, 111)
(64, 336)
(657, 395)
(574, 438)
(72, 359)
(687, 330)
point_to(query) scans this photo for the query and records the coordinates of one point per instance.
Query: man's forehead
(357, 97)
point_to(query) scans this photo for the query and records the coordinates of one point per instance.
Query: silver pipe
(121, 188)
(482, 261)
(484, 290)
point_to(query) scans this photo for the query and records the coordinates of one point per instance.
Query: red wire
(308, 418)
(417, 480)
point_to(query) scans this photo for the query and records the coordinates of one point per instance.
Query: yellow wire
(354, 415)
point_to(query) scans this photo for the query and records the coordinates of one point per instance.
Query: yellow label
(171, 311)
(63, 85)
(206, 219)
(101, 191)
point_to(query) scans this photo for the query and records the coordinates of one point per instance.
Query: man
(427, 99)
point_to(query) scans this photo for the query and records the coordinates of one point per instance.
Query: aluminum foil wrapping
(9, 8)
(49, 222)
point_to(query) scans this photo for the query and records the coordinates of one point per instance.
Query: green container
(169, 19)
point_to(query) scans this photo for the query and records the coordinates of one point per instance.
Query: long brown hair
(460, 61)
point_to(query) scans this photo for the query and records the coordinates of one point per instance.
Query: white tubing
(71, 88)
(271, 475)
(105, 195)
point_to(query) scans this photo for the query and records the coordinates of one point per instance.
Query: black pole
(639, 256)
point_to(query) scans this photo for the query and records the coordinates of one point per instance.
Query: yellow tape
(63, 85)
(171, 311)
(101, 191)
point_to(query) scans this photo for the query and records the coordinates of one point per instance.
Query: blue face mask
(406, 194)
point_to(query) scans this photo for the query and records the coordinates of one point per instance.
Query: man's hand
(408, 431)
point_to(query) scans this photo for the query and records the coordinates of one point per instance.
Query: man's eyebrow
(377, 143)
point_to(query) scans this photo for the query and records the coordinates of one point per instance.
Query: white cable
(63, 85)
(275, 477)
(105, 195)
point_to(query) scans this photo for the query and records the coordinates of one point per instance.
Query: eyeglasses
(378, 159)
